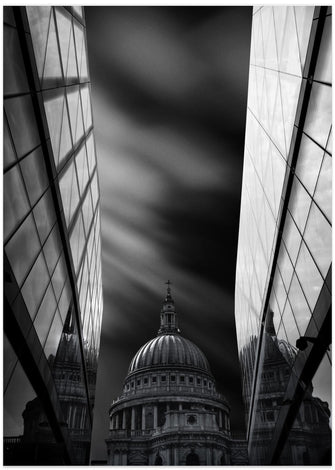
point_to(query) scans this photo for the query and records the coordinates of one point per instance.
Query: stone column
(143, 417)
(175, 452)
(168, 416)
(155, 417)
(208, 456)
(168, 459)
(117, 420)
(124, 419)
(133, 418)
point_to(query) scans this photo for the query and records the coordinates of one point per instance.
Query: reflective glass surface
(283, 256)
(46, 268)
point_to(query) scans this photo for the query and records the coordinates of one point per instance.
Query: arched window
(158, 460)
(192, 459)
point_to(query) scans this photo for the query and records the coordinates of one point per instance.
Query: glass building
(283, 275)
(52, 251)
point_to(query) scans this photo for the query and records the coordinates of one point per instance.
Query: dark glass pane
(52, 342)
(16, 203)
(22, 124)
(52, 249)
(23, 248)
(18, 394)
(9, 361)
(8, 151)
(14, 78)
(34, 287)
(77, 240)
(44, 215)
(59, 276)
(45, 314)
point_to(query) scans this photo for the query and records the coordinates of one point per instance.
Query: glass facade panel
(45, 314)
(86, 102)
(52, 342)
(34, 175)
(58, 277)
(9, 156)
(9, 360)
(77, 240)
(319, 114)
(39, 19)
(299, 205)
(309, 163)
(52, 249)
(323, 71)
(44, 215)
(14, 78)
(318, 237)
(19, 392)
(323, 190)
(23, 248)
(16, 204)
(52, 72)
(90, 153)
(309, 276)
(54, 104)
(69, 191)
(303, 19)
(82, 170)
(22, 124)
(35, 285)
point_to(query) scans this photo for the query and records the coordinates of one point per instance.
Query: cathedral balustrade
(127, 433)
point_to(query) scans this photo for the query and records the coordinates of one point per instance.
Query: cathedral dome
(169, 350)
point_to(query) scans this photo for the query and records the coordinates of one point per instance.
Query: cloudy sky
(169, 92)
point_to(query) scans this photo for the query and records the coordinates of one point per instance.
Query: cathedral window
(154, 379)
(182, 378)
(145, 380)
(205, 382)
(173, 378)
(198, 380)
(163, 378)
(138, 382)
(190, 379)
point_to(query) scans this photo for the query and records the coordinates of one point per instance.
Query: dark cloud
(169, 88)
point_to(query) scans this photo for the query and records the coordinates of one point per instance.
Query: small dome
(169, 350)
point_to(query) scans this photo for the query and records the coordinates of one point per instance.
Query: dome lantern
(169, 317)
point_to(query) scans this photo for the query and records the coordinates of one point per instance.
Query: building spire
(169, 317)
(168, 293)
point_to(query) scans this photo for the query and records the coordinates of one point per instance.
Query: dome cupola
(169, 317)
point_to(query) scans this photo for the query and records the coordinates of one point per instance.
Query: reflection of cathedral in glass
(309, 442)
(52, 272)
(170, 412)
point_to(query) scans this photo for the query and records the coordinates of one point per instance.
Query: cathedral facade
(170, 412)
